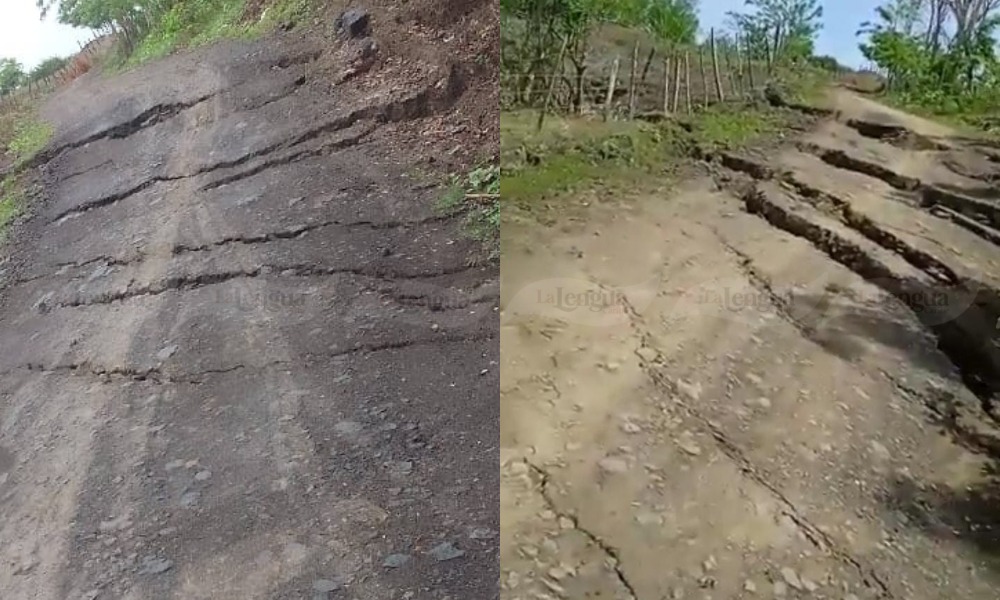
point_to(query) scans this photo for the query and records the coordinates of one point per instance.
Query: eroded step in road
(962, 252)
(303, 197)
(329, 316)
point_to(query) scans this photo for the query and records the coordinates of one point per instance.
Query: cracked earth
(242, 354)
(776, 380)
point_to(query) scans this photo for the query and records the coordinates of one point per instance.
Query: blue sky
(840, 22)
(25, 37)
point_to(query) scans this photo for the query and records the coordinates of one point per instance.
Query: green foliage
(189, 23)
(477, 195)
(11, 75)
(30, 136)
(11, 203)
(47, 68)
(779, 29)
(538, 34)
(152, 28)
(928, 69)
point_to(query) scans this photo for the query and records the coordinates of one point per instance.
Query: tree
(779, 28)
(11, 75)
(47, 68)
(670, 22)
(910, 42)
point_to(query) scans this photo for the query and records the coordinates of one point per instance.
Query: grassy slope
(573, 153)
(22, 136)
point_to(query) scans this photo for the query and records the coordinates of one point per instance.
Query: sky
(841, 19)
(25, 37)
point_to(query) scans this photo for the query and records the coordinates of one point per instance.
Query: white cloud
(24, 36)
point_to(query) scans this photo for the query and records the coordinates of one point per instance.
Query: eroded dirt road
(241, 356)
(775, 381)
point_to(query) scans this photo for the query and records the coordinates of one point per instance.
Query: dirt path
(767, 386)
(242, 356)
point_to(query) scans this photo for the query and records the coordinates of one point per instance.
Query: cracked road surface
(241, 356)
(778, 381)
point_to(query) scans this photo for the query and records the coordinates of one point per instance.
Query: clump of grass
(572, 153)
(189, 23)
(30, 137)
(22, 136)
(732, 127)
(575, 153)
(283, 12)
(477, 195)
(11, 203)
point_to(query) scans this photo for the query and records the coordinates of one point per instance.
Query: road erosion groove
(282, 358)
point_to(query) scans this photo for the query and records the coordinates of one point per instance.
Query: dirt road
(241, 355)
(773, 381)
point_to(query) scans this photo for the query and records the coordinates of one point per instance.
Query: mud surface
(780, 381)
(242, 355)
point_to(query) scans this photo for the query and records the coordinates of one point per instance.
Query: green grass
(22, 136)
(570, 153)
(192, 23)
(729, 127)
(11, 203)
(476, 195)
(574, 153)
(30, 137)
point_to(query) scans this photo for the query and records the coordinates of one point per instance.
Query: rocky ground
(777, 380)
(242, 355)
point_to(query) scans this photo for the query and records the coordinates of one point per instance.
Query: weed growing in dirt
(477, 196)
(575, 153)
(189, 23)
(571, 153)
(30, 136)
(11, 203)
(729, 126)
(192, 23)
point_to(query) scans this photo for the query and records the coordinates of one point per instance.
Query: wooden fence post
(704, 75)
(552, 83)
(729, 70)
(609, 101)
(687, 80)
(666, 85)
(715, 67)
(632, 81)
(677, 83)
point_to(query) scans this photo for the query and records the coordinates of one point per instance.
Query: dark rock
(354, 23)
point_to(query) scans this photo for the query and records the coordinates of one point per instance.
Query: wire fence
(649, 86)
(81, 63)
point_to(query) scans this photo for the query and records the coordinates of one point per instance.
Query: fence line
(78, 65)
(718, 73)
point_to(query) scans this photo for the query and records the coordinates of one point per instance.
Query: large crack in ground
(655, 371)
(965, 338)
(300, 230)
(897, 135)
(613, 555)
(161, 376)
(429, 101)
(181, 283)
(980, 216)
